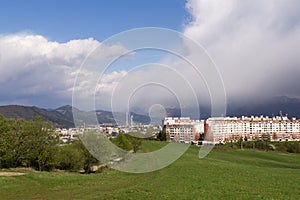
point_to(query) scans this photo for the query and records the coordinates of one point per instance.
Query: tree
(123, 142)
(7, 143)
(266, 139)
(240, 142)
(67, 157)
(88, 159)
(162, 135)
(36, 141)
(135, 142)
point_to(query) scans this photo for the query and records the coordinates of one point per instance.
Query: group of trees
(75, 157)
(26, 143)
(34, 144)
(128, 142)
(262, 144)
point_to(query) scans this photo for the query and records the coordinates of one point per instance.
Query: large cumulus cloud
(37, 71)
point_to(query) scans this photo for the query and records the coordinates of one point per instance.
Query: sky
(43, 44)
(66, 20)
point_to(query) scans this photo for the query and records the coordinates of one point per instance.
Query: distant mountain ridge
(63, 116)
(28, 112)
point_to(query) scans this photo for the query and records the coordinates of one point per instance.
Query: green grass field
(233, 174)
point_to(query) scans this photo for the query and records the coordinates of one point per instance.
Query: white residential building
(183, 129)
(225, 129)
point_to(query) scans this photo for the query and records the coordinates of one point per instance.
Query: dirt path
(11, 174)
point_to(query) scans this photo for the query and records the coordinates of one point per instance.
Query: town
(215, 129)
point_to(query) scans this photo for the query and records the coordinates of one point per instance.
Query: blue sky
(63, 20)
(43, 44)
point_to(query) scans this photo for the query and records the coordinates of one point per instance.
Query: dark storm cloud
(253, 42)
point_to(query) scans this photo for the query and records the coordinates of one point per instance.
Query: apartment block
(227, 129)
(183, 129)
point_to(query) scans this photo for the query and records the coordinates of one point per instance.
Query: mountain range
(63, 116)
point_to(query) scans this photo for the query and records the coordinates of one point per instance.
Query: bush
(68, 157)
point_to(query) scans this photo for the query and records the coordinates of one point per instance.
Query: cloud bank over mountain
(254, 43)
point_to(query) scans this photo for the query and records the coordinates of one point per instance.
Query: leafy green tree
(88, 159)
(135, 138)
(123, 142)
(135, 143)
(162, 135)
(7, 143)
(266, 139)
(74, 157)
(240, 142)
(36, 142)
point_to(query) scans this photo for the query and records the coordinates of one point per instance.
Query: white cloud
(34, 70)
(253, 42)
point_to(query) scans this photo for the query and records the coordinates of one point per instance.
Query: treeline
(286, 146)
(34, 144)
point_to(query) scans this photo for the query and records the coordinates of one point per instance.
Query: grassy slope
(245, 174)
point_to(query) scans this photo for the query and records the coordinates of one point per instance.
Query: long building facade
(227, 129)
(232, 129)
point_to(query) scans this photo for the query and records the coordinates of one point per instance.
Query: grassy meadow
(223, 174)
